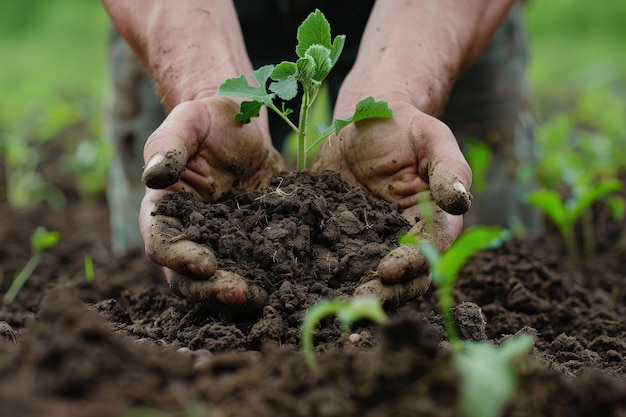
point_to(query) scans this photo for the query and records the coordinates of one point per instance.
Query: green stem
(21, 278)
(282, 116)
(445, 302)
(589, 239)
(570, 245)
(318, 141)
(302, 125)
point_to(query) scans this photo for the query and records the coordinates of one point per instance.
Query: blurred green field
(53, 61)
(52, 52)
(55, 50)
(576, 46)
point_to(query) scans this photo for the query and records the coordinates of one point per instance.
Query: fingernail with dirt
(164, 170)
(458, 185)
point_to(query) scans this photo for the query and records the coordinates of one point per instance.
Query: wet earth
(124, 345)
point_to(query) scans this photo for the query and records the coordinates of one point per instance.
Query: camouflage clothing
(490, 102)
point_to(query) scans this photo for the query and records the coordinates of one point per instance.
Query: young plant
(488, 379)
(564, 214)
(317, 55)
(40, 240)
(90, 274)
(348, 312)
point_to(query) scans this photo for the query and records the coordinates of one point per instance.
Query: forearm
(416, 50)
(188, 47)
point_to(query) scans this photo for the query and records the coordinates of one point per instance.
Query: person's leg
(132, 113)
(491, 103)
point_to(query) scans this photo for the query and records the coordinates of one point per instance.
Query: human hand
(413, 160)
(199, 147)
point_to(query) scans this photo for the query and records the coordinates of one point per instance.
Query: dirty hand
(413, 160)
(199, 147)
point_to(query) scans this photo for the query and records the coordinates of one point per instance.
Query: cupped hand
(413, 160)
(201, 149)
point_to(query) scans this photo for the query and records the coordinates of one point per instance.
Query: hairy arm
(414, 50)
(188, 47)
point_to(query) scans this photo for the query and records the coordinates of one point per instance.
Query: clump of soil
(306, 237)
(312, 230)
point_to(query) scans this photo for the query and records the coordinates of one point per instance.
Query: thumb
(449, 186)
(447, 172)
(167, 149)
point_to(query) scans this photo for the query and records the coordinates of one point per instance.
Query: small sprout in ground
(564, 214)
(445, 267)
(348, 312)
(40, 240)
(488, 378)
(317, 54)
(90, 274)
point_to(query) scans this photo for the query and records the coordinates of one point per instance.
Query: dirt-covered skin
(73, 348)
(313, 231)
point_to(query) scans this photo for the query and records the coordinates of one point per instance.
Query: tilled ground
(113, 347)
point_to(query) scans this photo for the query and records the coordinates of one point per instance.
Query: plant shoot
(348, 312)
(317, 54)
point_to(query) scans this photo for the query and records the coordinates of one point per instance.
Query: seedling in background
(348, 312)
(488, 378)
(317, 55)
(40, 240)
(479, 157)
(564, 214)
(90, 274)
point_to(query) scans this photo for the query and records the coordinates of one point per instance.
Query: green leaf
(551, 204)
(361, 308)
(286, 84)
(314, 30)
(488, 378)
(470, 242)
(239, 86)
(591, 194)
(321, 56)
(347, 312)
(479, 158)
(42, 239)
(336, 49)
(247, 110)
(368, 108)
(306, 70)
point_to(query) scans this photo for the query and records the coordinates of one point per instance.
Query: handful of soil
(310, 230)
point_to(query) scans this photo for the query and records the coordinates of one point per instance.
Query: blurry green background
(52, 71)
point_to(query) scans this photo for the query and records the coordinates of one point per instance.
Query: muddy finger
(225, 290)
(168, 246)
(430, 224)
(393, 295)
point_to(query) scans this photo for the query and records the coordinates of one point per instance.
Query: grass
(52, 51)
(54, 60)
(575, 46)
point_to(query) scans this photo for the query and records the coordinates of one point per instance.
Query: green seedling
(90, 274)
(488, 375)
(488, 379)
(565, 213)
(479, 157)
(40, 240)
(317, 54)
(25, 186)
(348, 312)
(89, 164)
(445, 267)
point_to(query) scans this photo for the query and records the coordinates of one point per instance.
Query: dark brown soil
(124, 343)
